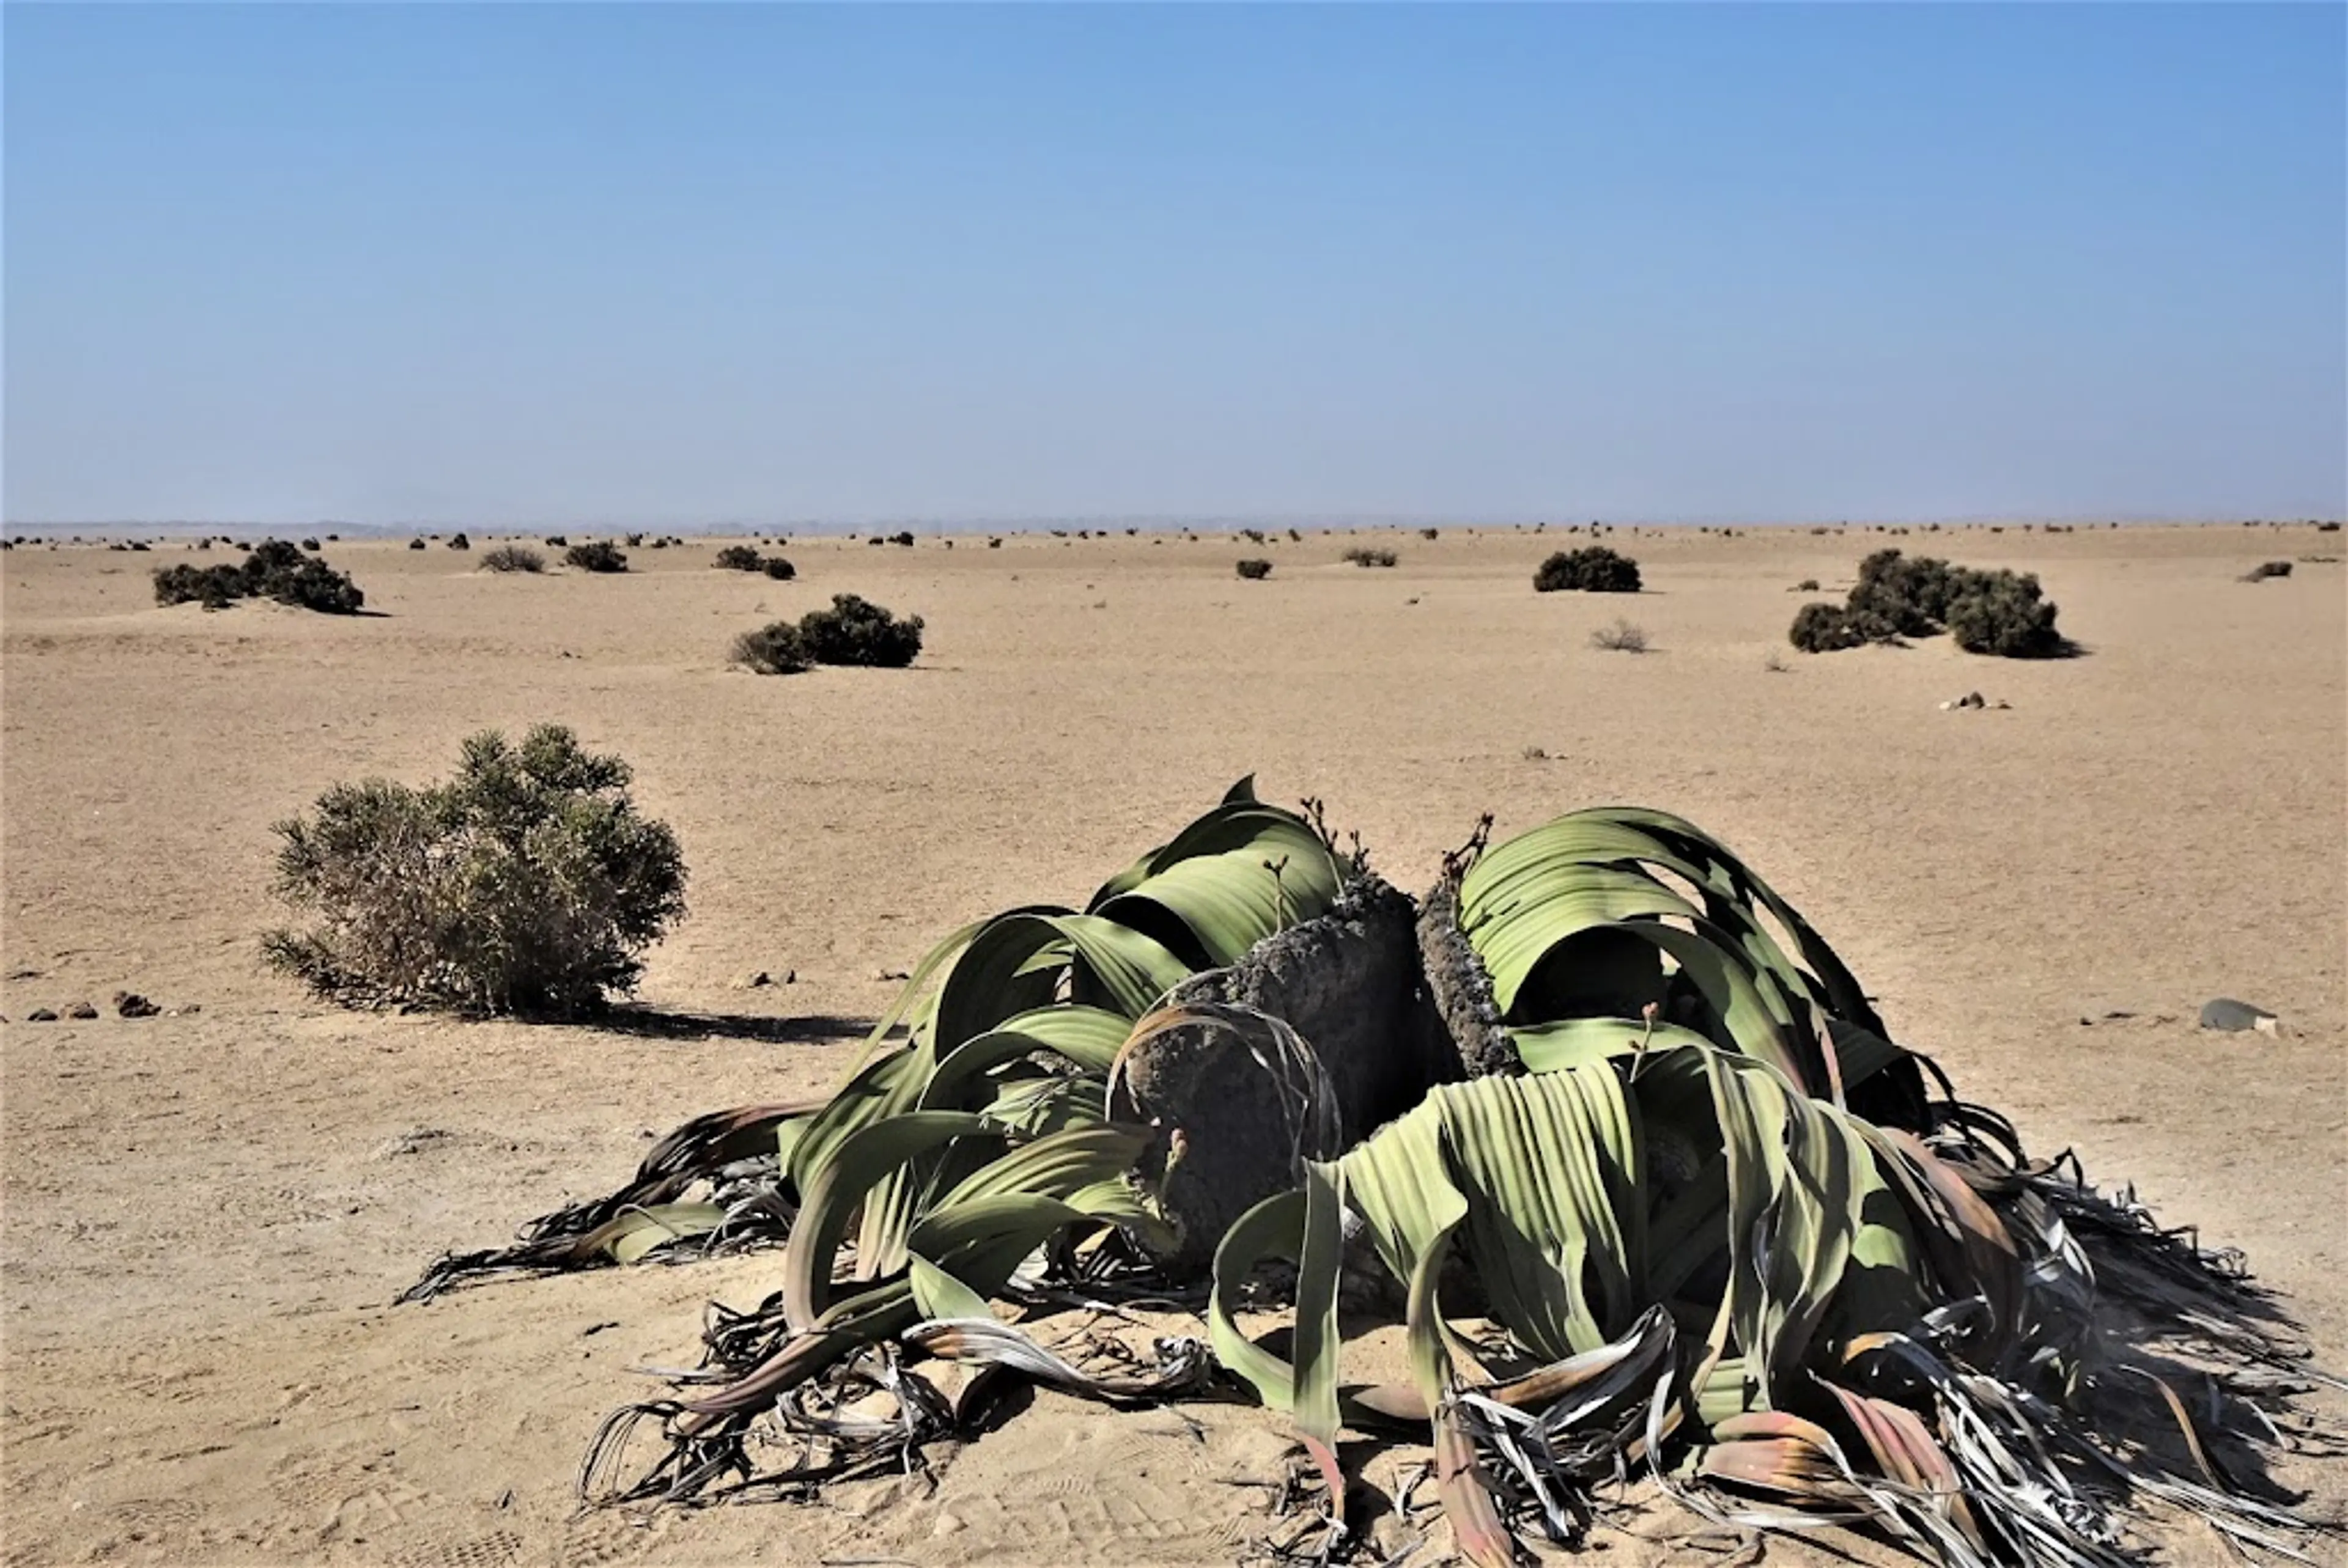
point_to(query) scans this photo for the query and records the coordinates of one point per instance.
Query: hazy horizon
(681, 267)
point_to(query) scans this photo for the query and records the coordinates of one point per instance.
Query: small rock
(40, 1015)
(2233, 1017)
(130, 1004)
(947, 1524)
(753, 981)
(81, 1010)
(790, 977)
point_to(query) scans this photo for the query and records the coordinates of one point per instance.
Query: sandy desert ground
(206, 1214)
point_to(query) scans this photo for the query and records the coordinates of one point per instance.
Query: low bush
(1822, 628)
(1430, 533)
(1255, 570)
(775, 649)
(556, 541)
(460, 542)
(311, 546)
(528, 884)
(2004, 614)
(1807, 585)
(857, 631)
(1362, 555)
(905, 538)
(513, 558)
(778, 568)
(1619, 638)
(1593, 569)
(417, 543)
(738, 558)
(635, 541)
(2265, 569)
(276, 570)
(1999, 612)
(596, 555)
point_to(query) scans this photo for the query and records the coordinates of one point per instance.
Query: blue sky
(692, 264)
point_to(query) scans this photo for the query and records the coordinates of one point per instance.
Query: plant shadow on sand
(672, 1023)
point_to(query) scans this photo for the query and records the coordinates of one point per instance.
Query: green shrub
(856, 632)
(775, 649)
(2003, 613)
(214, 586)
(1997, 612)
(1822, 628)
(513, 558)
(778, 568)
(274, 569)
(1593, 569)
(596, 555)
(1904, 595)
(1362, 555)
(528, 884)
(1255, 570)
(738, 558)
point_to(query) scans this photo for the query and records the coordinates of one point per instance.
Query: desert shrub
(994, 544)
(1253, 536)
(417, 543)
(556, 542)
(775, 649)
(214, 586)
(1294, 537)
(312, 545)
(1822, 628)
(857, 631)
(460, 542)
(2327, 527)
(738, 558)
(1995, 613)
(596, 555)
(2265, 569)
(778, 568)
(1906, 596)
(513, 558)
(273, 570)
(1807, 585)
(1362, 555)
(1593, 569)
(528, 884)
(1619, 638)
(902, 538)
(1430, 533)
(2003, 613)
(635, 541)
(1254, 570)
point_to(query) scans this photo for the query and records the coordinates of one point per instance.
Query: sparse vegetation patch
(276, 570)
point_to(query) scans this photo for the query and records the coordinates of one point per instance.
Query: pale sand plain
(206, 1216)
